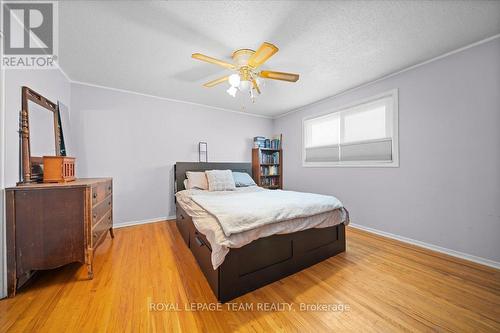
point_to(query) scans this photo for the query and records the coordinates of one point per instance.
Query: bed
(252, 259)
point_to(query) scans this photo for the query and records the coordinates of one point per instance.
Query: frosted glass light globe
(232, 91)
(234, 80)
(244, 85)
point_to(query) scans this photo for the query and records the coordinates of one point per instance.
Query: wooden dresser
(51, 225)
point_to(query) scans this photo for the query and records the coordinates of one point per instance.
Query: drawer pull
(95, 216)
(109, 188)
(109, 203)
(198, 241)
(109, 217)
(94, 195)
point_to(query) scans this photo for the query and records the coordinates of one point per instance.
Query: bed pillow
(197, 180)
(243, 179)
(220, 180)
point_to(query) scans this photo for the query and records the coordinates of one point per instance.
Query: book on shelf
(275, 144)
(271, 170)
(266, 162)
(270, 143)
(269, 158)
(259, 142)
(267, 143)
(270, 182)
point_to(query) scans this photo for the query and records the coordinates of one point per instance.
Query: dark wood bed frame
(262, 261)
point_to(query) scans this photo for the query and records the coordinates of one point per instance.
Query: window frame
(393, 94)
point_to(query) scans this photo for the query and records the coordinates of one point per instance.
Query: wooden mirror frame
(28, 162)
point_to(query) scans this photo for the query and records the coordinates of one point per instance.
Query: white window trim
(370, 164)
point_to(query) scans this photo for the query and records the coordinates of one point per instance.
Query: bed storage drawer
(315, 238)
(263, 253)
(183, 222)
(271, 258)
(203, 256)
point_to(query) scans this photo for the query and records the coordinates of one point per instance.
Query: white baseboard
(153, 220)
(453, 253)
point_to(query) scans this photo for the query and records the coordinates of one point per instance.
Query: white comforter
(243, 211)
(208, 225)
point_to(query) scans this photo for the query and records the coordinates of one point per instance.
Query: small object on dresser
(58, 169)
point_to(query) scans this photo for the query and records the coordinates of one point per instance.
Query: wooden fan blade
(279, 76)
(211, 60)
(255, 85)
(216, 81)
(265, 51)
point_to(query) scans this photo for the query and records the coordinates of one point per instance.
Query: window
(364, 134)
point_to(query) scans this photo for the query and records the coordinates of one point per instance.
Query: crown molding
(159, 97)
(346, 91)
(368, 83)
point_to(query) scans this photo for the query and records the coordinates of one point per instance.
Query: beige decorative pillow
(197, 180)
(220, 180)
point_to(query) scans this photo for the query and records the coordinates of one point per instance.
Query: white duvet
(243, 211)
(232, 219)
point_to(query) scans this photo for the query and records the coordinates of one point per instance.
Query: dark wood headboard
(180, 169)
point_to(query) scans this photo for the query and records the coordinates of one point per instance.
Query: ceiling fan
(247, 75)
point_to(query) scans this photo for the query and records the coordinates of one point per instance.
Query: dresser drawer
(101, 191)
(100, 229)
(101, 209)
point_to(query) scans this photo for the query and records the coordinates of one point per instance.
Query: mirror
(64, 128)
(39, 134)
(42, 139)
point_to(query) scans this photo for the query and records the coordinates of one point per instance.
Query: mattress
(208, 225)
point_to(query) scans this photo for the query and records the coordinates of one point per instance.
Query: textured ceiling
(335, 45)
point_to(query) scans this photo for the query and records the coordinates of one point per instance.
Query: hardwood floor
(386, 285)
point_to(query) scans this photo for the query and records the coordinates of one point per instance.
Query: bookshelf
(267, 167)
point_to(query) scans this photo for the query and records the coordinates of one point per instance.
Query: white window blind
(363, 134)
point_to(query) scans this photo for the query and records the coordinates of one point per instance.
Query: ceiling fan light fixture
(260, 83)
(232, 91)
(244, 85)
(234, 80)
(252, 96)
(247, 77)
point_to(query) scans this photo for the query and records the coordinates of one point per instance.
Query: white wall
(136, 139)
(446, 191)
